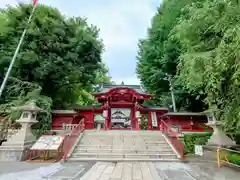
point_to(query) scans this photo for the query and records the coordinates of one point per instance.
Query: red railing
(173, 137)
(70, 140)
(196, 128)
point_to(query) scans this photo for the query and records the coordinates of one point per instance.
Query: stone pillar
(16, 147)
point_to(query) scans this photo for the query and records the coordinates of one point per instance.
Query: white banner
(154, 119)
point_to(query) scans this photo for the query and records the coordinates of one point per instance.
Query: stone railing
(69, 127)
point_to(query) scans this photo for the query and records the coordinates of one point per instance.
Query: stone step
(124, 135)
(122, 159)
(123, 146)
(103, 154)
(121, 131)
(123, 142)
(158, 151)
(124, 138)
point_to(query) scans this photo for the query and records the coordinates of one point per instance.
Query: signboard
(48, 142)
(154, 119)
(199, 150)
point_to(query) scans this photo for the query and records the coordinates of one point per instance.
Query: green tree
(159, 54)
(209, 61)
(62, 55)
(59, 63)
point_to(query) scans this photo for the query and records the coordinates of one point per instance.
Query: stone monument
(16, 147)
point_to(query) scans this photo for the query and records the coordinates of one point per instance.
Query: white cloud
(121, 23)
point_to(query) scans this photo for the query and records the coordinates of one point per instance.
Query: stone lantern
(16, 147)
(99, 120)
(218, 138)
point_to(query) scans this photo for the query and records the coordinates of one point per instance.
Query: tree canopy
(158, 55)
(60, 58)
(197, 42)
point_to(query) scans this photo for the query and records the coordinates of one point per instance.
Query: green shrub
(143, 122)
(190, 140)
(234, 158)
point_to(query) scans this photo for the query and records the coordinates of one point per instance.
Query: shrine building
(121, 107)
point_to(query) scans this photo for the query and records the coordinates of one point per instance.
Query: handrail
(173, 137)
(221, 152)
(69, 127)
(70, 140)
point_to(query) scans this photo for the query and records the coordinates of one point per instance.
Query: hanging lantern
(138, 115)
(105, 113)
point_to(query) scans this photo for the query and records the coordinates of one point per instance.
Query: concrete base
(12, 154)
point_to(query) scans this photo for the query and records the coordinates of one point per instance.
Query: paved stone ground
(43, 171)
(198, 171)
(116, 171)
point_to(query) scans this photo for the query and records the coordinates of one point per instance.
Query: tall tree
(59, 62)
(197, 42)
(209, 36)
(62, 55)
(159, 54)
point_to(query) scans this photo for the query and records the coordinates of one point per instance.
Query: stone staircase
(117, 145)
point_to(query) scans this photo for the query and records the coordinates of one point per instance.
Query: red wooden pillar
(149, 120)
(106, 123)
(133, 114)
(107, 115)
(109, 118)
(159, 120)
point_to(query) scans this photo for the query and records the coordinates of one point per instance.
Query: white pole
(173, 97)
(16, 53)
(168, 77)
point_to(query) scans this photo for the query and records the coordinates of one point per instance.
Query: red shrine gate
(121, 107)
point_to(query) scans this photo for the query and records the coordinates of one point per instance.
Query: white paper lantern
(138, 115)
(105, 113)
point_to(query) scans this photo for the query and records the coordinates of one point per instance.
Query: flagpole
(16, 52)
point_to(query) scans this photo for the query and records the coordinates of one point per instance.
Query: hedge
(190, 140)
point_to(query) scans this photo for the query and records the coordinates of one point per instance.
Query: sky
(121, 22)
